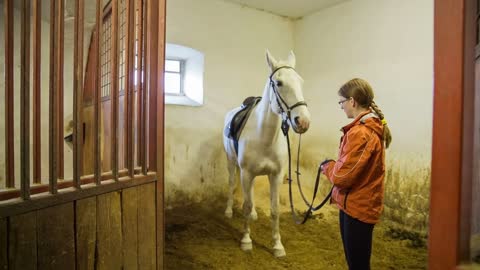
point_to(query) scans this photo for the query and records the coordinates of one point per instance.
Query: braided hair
(361, 91)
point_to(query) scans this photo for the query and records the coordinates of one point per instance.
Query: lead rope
(285, 128)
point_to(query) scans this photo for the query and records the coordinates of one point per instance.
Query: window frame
(182, 76)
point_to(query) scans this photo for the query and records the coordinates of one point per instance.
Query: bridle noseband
(278, 97)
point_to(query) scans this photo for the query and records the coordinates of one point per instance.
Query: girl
(359, 172)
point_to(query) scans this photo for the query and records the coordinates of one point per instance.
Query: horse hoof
(279, 253)
(254, 215)
(246, 246)
(229, 213)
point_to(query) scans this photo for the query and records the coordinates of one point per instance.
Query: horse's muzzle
(301, 125)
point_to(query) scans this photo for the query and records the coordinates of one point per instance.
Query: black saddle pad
(235, 127)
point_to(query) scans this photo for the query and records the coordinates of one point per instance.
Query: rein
(310, 206)
(285, 127)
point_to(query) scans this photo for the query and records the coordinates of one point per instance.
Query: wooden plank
(52, 101)
(447, 245)
(109, 232)
(22, 241)
(25, 100)
(56, 237)
(147, 222)
(114, 83)
(78, 90)
(9, 94)
(37, 57)
(85, 232)
(17, 206)
(160, 150)
(97, 97)
(3, 244)
(129, 86)
(130, 228)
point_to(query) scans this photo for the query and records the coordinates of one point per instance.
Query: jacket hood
(370, 120)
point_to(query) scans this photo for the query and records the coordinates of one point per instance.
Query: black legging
(357, 241)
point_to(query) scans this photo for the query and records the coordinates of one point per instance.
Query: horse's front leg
(275, 181)
(247, 186)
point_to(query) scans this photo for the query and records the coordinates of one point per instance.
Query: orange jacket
(359, 172)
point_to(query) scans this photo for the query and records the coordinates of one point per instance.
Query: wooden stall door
(105, 217)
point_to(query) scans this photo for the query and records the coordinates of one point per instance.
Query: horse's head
(286, 92)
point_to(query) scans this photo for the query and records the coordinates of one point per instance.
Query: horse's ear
(272, 63)
(291, 59)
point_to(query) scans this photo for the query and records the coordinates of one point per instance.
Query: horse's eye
(279, 83)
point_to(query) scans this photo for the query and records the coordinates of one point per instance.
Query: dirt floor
(199, 236)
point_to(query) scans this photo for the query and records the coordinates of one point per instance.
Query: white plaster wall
(390, 44)
(233, 39)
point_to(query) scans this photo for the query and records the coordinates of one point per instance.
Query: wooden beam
(52, 110)
(18, 206)
(97, 95)
(60, 17)
(467, 162)
(25, 101)
(9, 194)
(451, 144)
(129, 83)
(114, 92)
(37, 67)
(143, 90)
(152, 82)
(78, 91)
(9, 108)
(160, 125)
(138, 78)
(156, 116)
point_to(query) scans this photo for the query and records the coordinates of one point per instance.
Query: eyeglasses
(342, 101)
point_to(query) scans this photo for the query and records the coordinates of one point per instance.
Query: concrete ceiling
(289, 8)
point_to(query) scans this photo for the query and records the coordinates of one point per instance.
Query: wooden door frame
(452, 137)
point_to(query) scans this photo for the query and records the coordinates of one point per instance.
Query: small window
(184, 69)
(174, 77)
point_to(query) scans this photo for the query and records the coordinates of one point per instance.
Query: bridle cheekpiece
(285, 113)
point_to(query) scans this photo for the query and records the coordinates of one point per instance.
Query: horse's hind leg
(275, 181)
(232, 181)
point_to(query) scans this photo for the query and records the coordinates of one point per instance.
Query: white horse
(262, 148)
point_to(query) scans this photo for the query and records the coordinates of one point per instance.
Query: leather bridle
(285, 126)
(280, 101)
